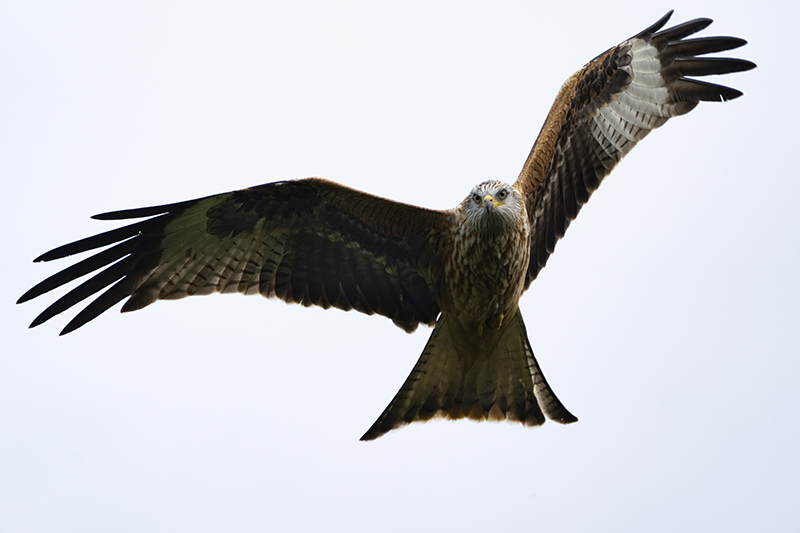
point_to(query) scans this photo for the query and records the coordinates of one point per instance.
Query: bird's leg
(496, 322)
(493, 323)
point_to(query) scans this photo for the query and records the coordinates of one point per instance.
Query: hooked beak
(489, 203)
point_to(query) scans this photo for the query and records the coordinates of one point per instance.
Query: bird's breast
(486, 274)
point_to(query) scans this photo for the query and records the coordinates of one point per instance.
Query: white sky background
(667, 320)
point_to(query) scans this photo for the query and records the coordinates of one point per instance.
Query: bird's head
(493, 205)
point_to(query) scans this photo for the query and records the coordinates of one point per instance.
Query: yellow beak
(489, 203)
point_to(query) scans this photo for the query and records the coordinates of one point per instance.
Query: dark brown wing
(310, 241)
(604, 109)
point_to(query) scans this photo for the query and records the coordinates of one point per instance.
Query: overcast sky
(667, 320)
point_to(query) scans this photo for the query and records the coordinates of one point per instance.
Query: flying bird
(462, 271)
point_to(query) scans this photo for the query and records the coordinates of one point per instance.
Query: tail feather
(545, 397)
(492, 377)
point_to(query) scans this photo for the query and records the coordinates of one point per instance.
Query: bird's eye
(502, 194)
(476, 198)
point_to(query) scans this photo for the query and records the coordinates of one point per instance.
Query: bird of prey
(463, 271)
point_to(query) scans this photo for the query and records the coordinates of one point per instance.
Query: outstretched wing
(309, 241)
(604, 109)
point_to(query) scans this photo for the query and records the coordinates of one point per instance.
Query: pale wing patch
(605, 109)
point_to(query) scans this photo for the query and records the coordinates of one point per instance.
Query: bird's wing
(309, 241)
(604, 109)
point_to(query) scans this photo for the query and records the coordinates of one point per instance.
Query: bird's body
(488, 253)
(463, 270)
(478, 362)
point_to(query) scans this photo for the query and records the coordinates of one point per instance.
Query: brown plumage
(315, 242)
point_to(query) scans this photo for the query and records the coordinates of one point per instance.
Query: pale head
(493, 205)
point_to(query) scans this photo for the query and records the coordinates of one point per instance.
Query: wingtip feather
(143, 212)
(656, 26)
(69, 328)
(24, 298)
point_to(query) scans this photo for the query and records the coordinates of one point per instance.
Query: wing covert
(309, 241)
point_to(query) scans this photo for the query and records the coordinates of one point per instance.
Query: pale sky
(666, 321)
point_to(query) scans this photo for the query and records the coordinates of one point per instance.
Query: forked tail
(492, 377)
